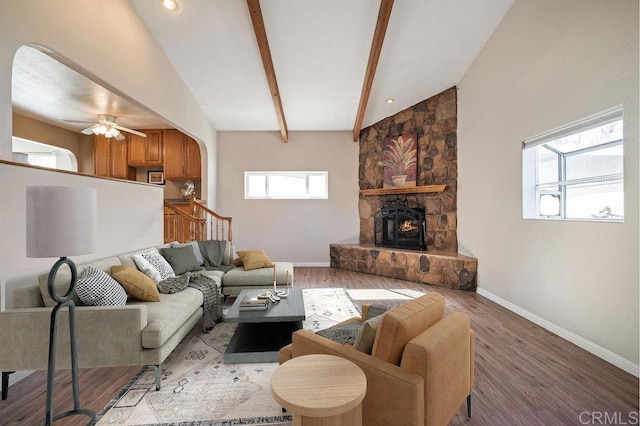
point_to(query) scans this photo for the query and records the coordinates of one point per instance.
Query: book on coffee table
(252, 303)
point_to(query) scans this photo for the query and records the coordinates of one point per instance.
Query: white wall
(130, 216)
(107, 42)
(298, 231)
(551, 62)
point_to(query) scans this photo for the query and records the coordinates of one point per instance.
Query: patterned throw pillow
(97, 288)
(154, 266)
(342, 333)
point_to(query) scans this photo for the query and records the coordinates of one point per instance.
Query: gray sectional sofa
(138, 333)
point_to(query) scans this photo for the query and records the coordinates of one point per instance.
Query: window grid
(590, 167)
(286, 185)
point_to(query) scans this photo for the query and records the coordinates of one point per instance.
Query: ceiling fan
(107, 126)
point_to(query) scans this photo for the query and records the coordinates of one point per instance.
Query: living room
(546, 64)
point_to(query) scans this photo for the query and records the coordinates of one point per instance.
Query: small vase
(398, 180)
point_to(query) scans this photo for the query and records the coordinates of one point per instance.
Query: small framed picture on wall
(156, 177)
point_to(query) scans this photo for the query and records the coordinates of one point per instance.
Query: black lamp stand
(64, 301)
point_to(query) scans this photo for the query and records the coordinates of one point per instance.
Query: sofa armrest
(106, 336)
(442, 355)
(394, 395)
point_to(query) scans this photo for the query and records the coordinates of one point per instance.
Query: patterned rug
(199, 389)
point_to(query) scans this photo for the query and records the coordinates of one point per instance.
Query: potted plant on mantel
(399, 157)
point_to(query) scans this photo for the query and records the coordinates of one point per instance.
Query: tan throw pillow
(135, 283)
(254, 259)
(367, 335)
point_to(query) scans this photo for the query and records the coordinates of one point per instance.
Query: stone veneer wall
(435, 122)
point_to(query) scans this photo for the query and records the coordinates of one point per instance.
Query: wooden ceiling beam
(374, 55)
(263, 44)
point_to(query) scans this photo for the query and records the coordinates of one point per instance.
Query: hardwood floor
(524, 375)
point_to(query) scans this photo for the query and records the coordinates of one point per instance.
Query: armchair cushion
(405, 322)
(367, 334)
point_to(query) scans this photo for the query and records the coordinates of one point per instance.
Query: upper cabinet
(170, 149)
(110, 158)
(145, 151)
(193, 159)
(181, 156)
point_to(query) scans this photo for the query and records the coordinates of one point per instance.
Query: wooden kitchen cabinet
(145, 151)
(181, 156)
(110, 158)
(174, 154)
(193, 170)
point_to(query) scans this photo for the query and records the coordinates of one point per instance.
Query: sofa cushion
(97, 288)
(135, 283)
(255, 259)
(238, 277)
(403, 323)
(127, 258)
(63, 278)
(181, 259)
(167, 316)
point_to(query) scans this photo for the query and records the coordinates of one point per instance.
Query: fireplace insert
(400, 227)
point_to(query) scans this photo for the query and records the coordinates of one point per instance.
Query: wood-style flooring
(524, 375)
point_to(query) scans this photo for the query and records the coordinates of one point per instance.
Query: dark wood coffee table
(260, 334)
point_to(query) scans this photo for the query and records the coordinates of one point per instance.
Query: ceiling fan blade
(119, 137)
(89, 130)
(78, 121)
(125, 129)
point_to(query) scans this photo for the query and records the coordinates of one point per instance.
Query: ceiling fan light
(100, 130)
(169, 4)
(115, 132)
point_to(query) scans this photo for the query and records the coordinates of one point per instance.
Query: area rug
(384, 294)
(199, 389)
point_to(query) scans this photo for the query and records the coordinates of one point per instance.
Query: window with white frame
(576, 172)
(286, 185)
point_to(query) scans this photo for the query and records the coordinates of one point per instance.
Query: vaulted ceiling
(319, 52)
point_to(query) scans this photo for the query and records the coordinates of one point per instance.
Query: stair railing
(216, 226)
(199, 223)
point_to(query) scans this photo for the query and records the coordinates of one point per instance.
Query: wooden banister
(199, 223)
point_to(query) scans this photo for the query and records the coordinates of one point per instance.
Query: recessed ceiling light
(169, 4)
(390, 100)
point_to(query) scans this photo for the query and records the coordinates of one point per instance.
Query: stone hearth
(449, 270)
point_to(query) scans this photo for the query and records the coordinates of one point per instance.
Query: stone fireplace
(434, 122)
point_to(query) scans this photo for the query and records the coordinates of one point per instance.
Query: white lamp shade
(61, 221)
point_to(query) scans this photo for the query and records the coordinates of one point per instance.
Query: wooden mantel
(405, 190)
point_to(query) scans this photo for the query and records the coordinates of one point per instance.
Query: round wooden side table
(320, 390)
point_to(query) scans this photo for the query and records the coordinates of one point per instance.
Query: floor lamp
(61, 222)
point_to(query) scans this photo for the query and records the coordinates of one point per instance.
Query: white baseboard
(312, 264)
(17, 376)
(585, 344)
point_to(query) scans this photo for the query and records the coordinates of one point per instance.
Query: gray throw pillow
(196, 249)
(181, 259)
(341, 333)
(367, 335)
(375, 310)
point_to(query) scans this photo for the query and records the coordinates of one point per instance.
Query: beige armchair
(421, 367)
